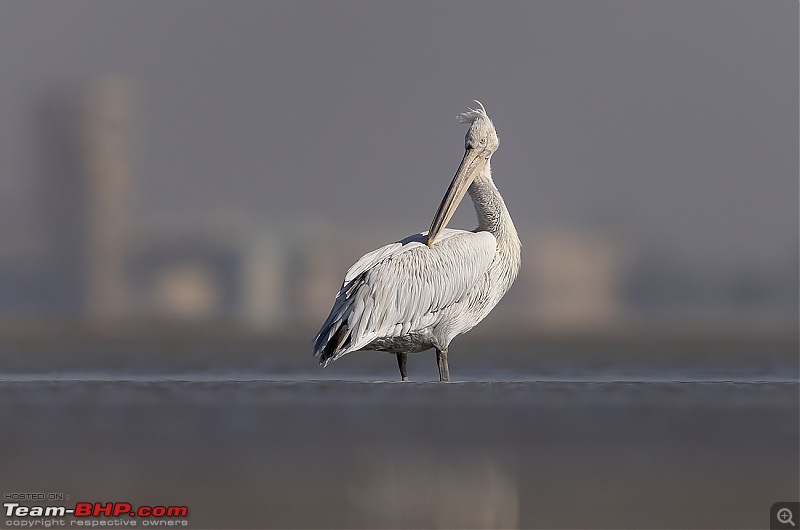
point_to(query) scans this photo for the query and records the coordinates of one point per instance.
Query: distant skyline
(673, 125)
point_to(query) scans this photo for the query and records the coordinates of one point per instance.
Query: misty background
(197, 162)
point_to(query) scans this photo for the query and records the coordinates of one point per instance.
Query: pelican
(422, 291)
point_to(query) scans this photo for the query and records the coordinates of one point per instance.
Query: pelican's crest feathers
(473, 114)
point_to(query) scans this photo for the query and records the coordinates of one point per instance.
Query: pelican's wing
(400, 288)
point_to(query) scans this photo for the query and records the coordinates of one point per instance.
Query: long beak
(464, 176)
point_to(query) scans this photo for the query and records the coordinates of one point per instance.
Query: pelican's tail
(338, 335)
(335, 344)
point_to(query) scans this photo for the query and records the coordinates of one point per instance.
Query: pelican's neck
(492, 213)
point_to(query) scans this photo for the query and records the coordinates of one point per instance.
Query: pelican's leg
(402, 358)
(441, 360)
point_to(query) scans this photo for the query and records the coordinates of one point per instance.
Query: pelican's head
(481, 135)
(480, 144)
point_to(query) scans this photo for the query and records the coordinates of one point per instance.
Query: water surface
(572, 438)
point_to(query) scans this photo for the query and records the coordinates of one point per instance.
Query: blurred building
(262, 282)
(44, 259)
(315, 273)
(186, 279)
(86, 251)
(66, 256)
(576, 278)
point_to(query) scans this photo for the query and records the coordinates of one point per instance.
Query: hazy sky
(673, 122)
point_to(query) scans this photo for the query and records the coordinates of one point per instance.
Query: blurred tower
(108, 152)
(52, 278)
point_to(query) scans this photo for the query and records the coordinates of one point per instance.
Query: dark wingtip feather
(334, 345)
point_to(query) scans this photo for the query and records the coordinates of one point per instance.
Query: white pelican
(422, 291)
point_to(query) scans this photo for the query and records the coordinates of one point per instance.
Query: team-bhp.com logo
(155, 515)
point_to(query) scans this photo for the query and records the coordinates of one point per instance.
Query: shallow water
(676, 441)
(226, 358)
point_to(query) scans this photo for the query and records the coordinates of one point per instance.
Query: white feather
(416, 283)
